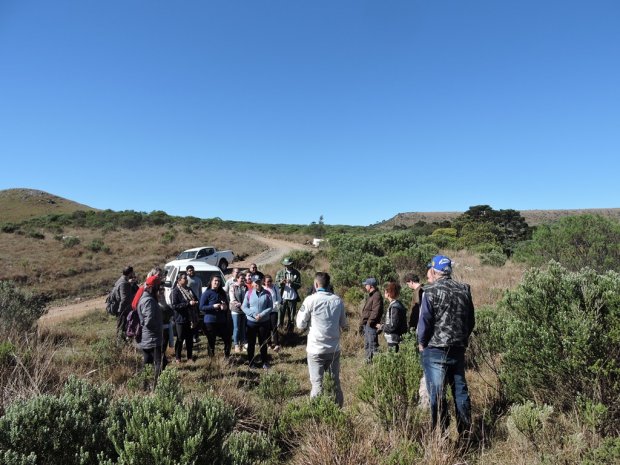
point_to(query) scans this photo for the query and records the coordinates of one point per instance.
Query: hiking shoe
(276, 349)
(266, 366)
(237, 349)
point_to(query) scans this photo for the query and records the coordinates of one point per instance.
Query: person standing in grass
(151, 321)
(184, 305)
(217, 321)
(124, 293)
(413, 282)
(371, 317)
(195, 284)
(395, 324)
(230, 281)
(446, 323)
(289, 280)
(257, 305)
(236, 294)
(273, 316)
(323, 312)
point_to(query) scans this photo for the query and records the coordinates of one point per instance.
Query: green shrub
(493, 258)
(65, 429)
(302, 259)
(162, 429)
(390, 387)
(277, 387)
(7, 351)
(244, 448)
(575, 242)
(562, 338)
(528, 421)
(168, 236)
(69, 242)
(299, 413)
(97, 245)
(19, 310)
(35, 235)
(9, 228)
(608, 453)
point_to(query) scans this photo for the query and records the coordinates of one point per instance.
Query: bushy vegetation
(355, 257)
(390, 387)
(575, 242)
(558, 334)
(19, 310)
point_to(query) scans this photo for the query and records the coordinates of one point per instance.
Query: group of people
(251, 307)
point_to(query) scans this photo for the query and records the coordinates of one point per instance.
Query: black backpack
(113, 301)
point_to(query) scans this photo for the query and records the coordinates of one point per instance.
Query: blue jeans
(371, 342)
(238, 335)
(446, 366)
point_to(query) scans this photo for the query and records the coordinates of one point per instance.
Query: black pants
(155, 357)
(184, 334)
(275, 336)
(288, 310)
(121, 323)
(262, 331)
(224, 331)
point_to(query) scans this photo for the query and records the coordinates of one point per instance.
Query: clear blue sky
(280, 111)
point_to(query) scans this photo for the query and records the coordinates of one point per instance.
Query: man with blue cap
(445, 324)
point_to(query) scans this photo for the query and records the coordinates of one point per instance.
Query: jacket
(257, 304)
(150, 320)
(395, 321)
(324, 313)
(125, 295)
(236, 293)
(180, 305)
(446, 314)
(209, 298)
(373, 309)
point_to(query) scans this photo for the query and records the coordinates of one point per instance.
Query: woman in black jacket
(184, 304)
(395, 324)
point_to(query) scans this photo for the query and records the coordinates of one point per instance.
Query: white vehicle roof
(194, 249)
(199, 265)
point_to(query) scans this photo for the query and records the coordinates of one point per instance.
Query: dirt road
(277, 250)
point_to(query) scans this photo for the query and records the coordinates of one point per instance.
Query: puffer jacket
(151, 321)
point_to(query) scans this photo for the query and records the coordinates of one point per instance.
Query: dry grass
(17, 205)
(49, 267)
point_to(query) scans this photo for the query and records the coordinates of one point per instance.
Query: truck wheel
(223, 265)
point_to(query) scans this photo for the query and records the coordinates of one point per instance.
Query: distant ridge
(18, 205)
(532, 217)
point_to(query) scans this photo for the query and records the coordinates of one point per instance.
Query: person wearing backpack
(151, 322)
(395, 324)
(124, 296)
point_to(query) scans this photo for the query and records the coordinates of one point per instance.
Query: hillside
(17, 205)
(533, 217)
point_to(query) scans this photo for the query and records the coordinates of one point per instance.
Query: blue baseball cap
(370, 282)
(441, 263)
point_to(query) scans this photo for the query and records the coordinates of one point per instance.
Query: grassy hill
(17, 205)
(533, 217)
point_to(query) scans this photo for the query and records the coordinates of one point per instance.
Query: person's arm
(266, 307)
(303, 315)
(425, 323)
(125, 295)
(471, 314)
(245, 306)
(344, 324)
(296, 284)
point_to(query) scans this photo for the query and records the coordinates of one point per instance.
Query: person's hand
(257, 317)
(379, 327)
(420, 347)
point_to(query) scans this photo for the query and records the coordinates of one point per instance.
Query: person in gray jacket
(323, 312)
(152, 324)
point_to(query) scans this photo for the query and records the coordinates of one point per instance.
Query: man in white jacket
(323, 312)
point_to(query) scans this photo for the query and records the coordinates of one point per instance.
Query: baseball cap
(370, 282)
(440, 263)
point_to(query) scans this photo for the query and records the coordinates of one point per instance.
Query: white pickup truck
(210, 255)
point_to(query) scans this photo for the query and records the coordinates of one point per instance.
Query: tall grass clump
(562, 340)
(390, 387)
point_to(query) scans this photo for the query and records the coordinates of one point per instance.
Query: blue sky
(280, 111)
